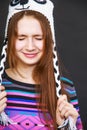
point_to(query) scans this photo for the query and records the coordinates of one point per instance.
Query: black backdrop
(71, 29)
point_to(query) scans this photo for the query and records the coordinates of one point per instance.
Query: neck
(23, 74)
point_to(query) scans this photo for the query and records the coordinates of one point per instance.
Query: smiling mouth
(30, 55)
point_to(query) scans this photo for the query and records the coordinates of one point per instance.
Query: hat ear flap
(3, 59)
(56, 72)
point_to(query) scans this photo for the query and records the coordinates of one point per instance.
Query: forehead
(29, 25)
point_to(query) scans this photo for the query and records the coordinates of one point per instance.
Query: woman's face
(29, 43)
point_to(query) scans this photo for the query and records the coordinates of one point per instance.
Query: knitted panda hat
(45, 7)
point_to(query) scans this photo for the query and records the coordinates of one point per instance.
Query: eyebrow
(38, 35)
(24, 35)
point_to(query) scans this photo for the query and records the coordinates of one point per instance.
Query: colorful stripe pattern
(22, 105)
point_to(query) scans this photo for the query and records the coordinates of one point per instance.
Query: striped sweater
(22, 105)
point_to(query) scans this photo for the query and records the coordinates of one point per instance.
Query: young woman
(28, 90)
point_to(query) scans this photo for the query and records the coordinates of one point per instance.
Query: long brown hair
(44, 70)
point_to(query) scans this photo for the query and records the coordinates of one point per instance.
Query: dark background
(71, 35)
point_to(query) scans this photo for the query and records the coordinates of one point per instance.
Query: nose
(30, 44)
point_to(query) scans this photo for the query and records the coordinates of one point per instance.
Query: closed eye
(38, 37)
(20, 38)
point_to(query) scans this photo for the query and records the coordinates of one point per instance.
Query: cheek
(40, 46)
(18, 45)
